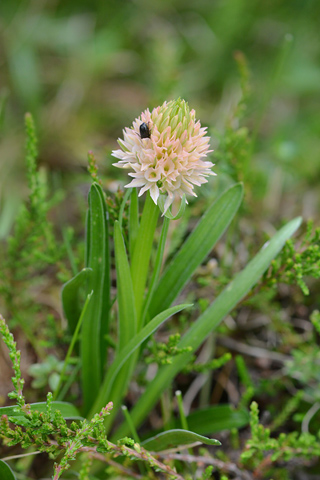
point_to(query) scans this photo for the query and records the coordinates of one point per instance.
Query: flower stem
(142, 252)
(156, 270)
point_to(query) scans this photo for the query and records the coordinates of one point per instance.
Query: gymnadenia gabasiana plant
(165, 152)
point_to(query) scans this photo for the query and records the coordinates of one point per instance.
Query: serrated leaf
(174, 438)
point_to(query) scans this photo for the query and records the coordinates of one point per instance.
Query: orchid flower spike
(165, 149)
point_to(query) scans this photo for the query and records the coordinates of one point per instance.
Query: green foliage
(266, 134)
(95, 324)
(33, 239)
(163, 353)
(301, 366)
(294, 264)
(245, 380)
(48, 431)
(287, 410)
(172, 438)
(213, 364)
(235, 144)
(216, 418)
(194, 250)
(262, 450)
(32, 246)
(46, 373)
(93, 168)
(210, 319)
(144, 298)
(6, 472)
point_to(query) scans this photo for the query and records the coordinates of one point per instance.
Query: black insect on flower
(144, 130)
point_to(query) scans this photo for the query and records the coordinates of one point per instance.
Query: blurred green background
(85, 69)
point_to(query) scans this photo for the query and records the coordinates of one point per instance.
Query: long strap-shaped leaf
(195, 249)
(95, 322)
(127, 325)
(127, 351)
(210, 319)
(142, 252)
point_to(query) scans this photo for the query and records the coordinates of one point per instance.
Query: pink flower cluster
(169, 160)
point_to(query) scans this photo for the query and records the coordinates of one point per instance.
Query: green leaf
(95, 322)
(67, 410)
(174, 438)
(127, 323)
(217, 418)
(156, 268)
(127, 351)
(133, 220)
(5, 471)
(142, 252)
(123, 204)
(195, 249)
(70, 297)
(210, 319)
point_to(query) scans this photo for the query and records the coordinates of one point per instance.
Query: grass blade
(195, 249)
(210, 319)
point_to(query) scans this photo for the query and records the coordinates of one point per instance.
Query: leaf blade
(128, 350)
(210, 319)
(127, 324)
(142, 252)
(217, 418)
(95, 322)
(195, 249)
(67, 410)
(176, 437)
(5, 471)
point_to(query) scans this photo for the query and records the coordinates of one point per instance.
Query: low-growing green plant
(263, 451)
(166, 150)
(47, 430)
